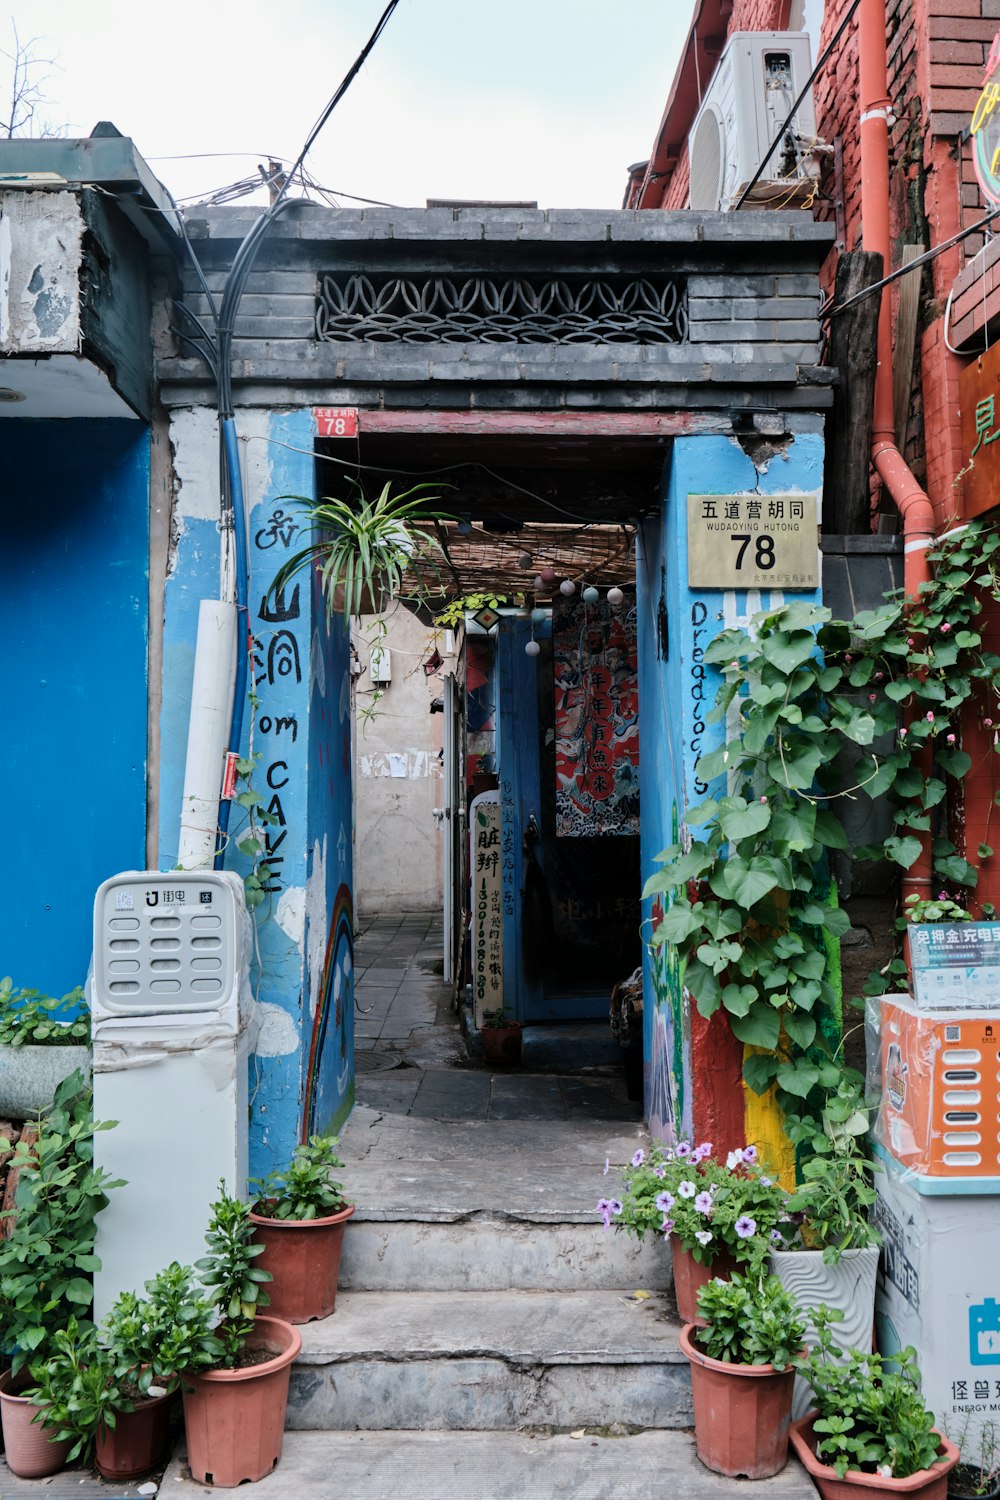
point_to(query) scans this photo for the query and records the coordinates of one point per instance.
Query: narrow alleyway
(413, 1059)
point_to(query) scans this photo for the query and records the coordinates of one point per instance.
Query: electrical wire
(914, 265)
(779, 134)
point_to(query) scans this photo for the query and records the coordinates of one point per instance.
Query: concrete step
(491, 1360)
(495, 1466)
(494, 1204)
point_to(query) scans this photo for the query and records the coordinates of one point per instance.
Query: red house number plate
(336, 421)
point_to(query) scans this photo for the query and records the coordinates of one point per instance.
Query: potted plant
(870, 1429)
(235, 1402)
(42, 1041)
(977, 1479)
(299, 1218)
(47, 1262)
(714, 1213)
(741, 1372)
(501, 1038)
(827, 1256)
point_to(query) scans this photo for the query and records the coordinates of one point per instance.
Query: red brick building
(937, 56)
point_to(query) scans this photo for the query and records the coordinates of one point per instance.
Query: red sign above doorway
(336, 421)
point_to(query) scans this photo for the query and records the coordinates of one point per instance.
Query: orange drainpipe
(911, 500)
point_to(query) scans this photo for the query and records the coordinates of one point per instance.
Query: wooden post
(853, 351)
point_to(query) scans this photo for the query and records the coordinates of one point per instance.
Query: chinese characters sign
(752, 542)
(485, 862)
(978, 393)
(956, 963)
(336, 421)
(596, 718)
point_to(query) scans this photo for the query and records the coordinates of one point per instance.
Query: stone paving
(413, 1058)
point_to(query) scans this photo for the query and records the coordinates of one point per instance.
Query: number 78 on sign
(753, 541)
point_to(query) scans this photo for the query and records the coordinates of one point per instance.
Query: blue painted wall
(677, 691)
(73, 615)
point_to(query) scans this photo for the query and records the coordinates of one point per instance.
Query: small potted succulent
(501, 1038)
(741, 1356)
(870, 1430)
(715, 1214)
(42, 1041)
(827, 1255)
(299, 1218)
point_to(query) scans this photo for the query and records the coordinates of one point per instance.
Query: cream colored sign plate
(752, 542)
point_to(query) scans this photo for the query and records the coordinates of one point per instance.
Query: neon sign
(985, 128)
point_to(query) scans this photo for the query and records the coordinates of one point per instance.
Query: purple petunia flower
(607, 1165)
(767, 1182)
(616, 1208)
(639, 1158)
(664, 1202)
(682, 1150)
(749, 1155)
(777, 1236)
(745, 1226)
(702, 1152)
(686, 1189)
(666, 1227)
(704, 1203)
(604, 1209)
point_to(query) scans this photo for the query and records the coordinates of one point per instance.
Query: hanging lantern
(567, 587)
(548, 575)
(538, 615)
(590, 595)
(464, 527)
(539, 584)
(615, 595)
(526, 562)
(532, 648)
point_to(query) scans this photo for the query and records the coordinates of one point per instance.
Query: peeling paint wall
(41, 250)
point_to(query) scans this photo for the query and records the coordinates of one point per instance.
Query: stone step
(495, 1204)
(496, 1466)
(489, 1361)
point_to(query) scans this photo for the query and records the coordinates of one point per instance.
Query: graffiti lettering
(696, 690)
(283, 657)
(276, 785)
(281, 609)
(279, 724)
(280, 528)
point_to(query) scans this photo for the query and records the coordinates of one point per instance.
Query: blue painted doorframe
(520, 796)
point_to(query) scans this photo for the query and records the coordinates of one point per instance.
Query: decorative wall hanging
(596, 719)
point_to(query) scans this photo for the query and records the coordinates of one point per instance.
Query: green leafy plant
(76, 1388)
(229, 1274)
(47, 1262)
(456, 610)
(305, 1189)
(941, 909)
(497, 1019)
(980, 1475)
(153, 1340)
(749, 1320)
(830, 1206)
(27, 1017)
(710, 1207)
(870, 1414)
(363, 547)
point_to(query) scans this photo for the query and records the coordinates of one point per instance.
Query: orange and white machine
(939, 1115)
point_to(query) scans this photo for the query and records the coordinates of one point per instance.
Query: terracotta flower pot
(235, 1419)
(303, 1256)
(928, 1484)
(690, 1275)
(29, 1452)
(502, 1044)
(138, 1441)
(741, 1413)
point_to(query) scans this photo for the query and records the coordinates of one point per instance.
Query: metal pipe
(908, 495)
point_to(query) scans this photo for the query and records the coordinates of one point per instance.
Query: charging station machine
(171, 1004)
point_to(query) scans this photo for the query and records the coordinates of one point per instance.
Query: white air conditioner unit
(759, 76)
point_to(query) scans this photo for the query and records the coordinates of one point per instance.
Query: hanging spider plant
(363, 547)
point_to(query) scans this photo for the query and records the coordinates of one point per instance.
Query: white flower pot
(849, 1285)
(29, 1077)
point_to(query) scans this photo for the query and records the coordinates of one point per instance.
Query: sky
(546, 100)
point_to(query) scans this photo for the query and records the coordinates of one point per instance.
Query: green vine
(798, 689)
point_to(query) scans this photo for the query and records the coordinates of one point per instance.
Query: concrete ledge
(494, 1466)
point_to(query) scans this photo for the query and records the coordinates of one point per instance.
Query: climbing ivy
(797, 689)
